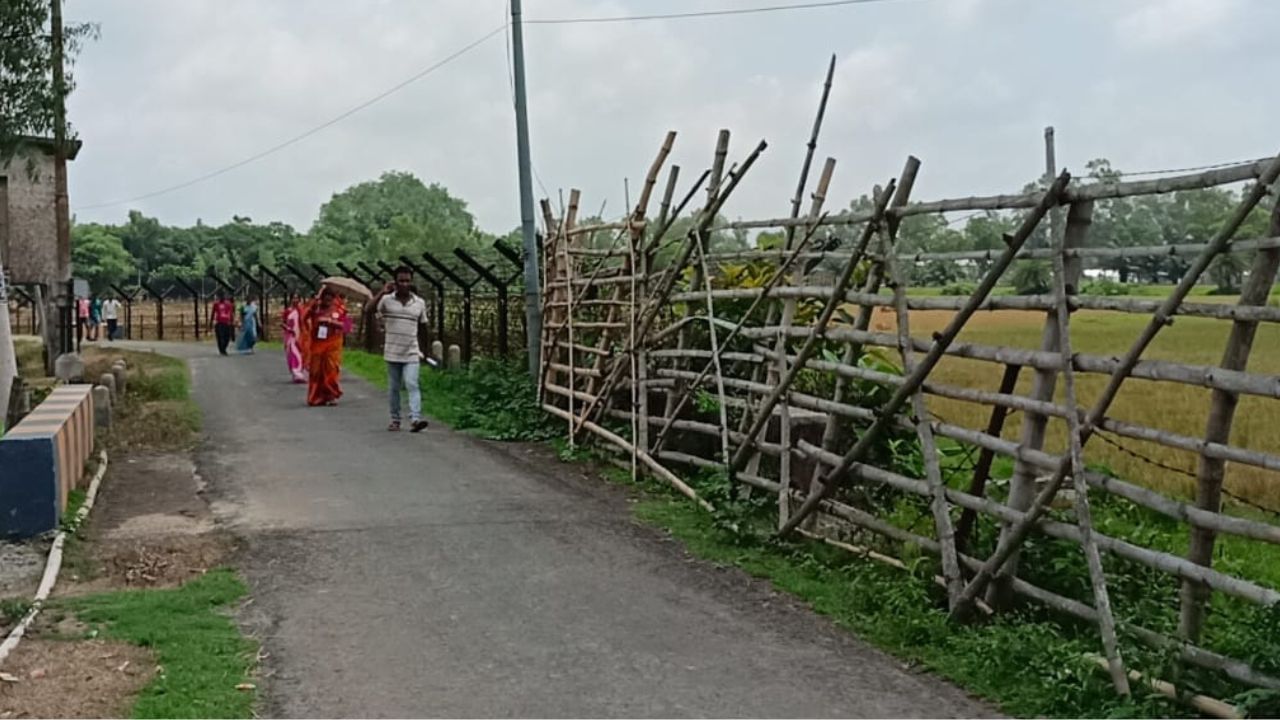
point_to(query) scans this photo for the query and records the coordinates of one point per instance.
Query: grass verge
(200, 651)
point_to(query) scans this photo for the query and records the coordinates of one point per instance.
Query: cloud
(1170, 23)
(174, 90)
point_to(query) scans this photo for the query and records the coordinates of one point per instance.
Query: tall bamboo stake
(938, 505)
(1078, 219)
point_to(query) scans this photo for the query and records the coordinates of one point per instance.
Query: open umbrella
(348, 288)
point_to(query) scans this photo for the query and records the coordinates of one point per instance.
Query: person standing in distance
(401, 312)
(224, 321)
(111, 314)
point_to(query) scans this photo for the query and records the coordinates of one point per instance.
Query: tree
(1031, 277)
(394, 215)
(97, 255)
(27, 98)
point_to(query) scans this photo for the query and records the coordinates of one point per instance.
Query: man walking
(401, 312)
(111, 313)
(224, 320)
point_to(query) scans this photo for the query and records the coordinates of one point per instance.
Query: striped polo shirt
(401, 321)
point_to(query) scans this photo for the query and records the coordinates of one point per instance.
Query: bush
(1032, 277)
(960, 288)
(497, 400)
(1105, 287)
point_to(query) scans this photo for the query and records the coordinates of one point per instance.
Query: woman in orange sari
(324, 323)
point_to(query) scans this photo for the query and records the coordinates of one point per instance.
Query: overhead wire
(308, 133)
(699, 13)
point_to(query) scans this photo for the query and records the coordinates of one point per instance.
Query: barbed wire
(1180, 471)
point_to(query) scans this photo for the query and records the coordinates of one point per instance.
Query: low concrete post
(455, 357)
(437, 351)
(102, 405)
(122, 377)
(69, 368)
(108, 381)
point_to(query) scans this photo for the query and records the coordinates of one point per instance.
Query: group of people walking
(92, 313)
(314, 331)
(223, 316)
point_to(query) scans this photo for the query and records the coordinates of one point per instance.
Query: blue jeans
(404, 374)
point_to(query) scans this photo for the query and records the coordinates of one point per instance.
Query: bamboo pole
(941, 342)
(1207, 376)
(1217, 311)
(658, 297)
(761, 416)
(1079, 218)
(938, 506)
(644, 457)
(1211, 471)
(715, 357)
(1126, 365)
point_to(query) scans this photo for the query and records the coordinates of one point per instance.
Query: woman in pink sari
(293, 337)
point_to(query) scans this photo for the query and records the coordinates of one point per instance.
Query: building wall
(29, 229)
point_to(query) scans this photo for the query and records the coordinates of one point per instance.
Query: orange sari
(324, 328)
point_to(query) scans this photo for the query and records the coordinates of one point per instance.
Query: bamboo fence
(669, 368)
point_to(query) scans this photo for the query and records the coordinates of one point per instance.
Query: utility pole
(532, 296)
(61, 207)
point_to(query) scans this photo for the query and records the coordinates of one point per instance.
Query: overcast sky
(174, 90)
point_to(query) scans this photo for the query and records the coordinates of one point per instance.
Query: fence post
(466, 301)
(128, 308)
(195, 299)
(439, 287)
(159, 299)
(499, 285)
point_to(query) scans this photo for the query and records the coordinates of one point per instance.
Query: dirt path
(432, 575)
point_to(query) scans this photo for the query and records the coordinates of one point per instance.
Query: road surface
(399, 575)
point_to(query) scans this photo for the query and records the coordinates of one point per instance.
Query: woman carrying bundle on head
(324, 323)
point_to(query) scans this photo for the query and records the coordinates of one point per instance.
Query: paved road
(434, 575)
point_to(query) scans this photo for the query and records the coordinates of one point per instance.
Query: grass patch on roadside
(200, 651)
(493, 399)
(157, 411)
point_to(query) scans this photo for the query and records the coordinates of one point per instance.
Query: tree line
(398, 214)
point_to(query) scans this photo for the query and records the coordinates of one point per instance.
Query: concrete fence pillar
(455, 357)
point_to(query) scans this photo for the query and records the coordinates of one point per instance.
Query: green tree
(27, 98)
(98, 255)
(393, 215)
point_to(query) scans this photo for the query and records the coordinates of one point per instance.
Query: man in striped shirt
(401, 312)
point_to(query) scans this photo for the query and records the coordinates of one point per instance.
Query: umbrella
(351, 289)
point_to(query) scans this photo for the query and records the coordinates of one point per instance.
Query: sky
(173, 91)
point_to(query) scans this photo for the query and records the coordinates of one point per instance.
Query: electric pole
(532, 296)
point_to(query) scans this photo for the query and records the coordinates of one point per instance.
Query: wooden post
(1211, 472)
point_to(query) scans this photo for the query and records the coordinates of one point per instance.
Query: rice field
(1169, 406)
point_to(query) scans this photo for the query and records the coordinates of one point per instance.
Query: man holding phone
(401, 313)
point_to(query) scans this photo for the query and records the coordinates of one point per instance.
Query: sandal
(394, 426)
(418, 426)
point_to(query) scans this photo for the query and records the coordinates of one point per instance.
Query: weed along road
(436, 575)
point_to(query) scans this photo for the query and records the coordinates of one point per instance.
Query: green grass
(200, 651)
(1027, 663)
(492, 399)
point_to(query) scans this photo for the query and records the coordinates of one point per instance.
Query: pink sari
(292, 348)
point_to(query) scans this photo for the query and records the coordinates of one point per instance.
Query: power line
(698, 14)
(298, 138)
